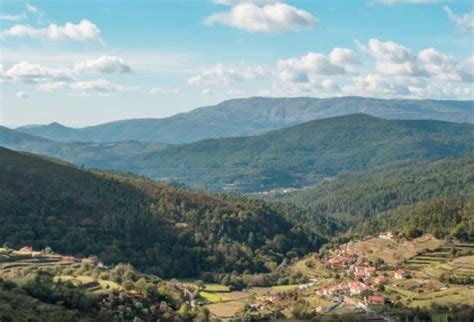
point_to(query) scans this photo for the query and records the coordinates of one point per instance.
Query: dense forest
(442, 217)
(298, 156)
(304, 154)
(352, 198)
(159, 228)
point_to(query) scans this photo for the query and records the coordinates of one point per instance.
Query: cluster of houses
(364, 279)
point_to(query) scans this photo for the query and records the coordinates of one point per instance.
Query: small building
(363, 272)
(36, 254)
(358, 288)
(338, 262)
(376, 299)
(400, 274)
(379, 280)
(26, 249)
(101, 265)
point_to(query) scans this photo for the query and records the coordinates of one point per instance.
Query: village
(376, 274)
(368, 277)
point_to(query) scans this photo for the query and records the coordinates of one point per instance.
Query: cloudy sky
(92, 61)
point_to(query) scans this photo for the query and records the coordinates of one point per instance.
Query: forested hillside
(355, 197)
(255, 115)
(442, 217)
(304, 154)
(156, 227)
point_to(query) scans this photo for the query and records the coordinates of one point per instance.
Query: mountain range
(291, 157)
(250, 116)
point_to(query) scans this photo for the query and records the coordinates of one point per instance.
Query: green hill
(156, 227)
(304, 154)
(355, 197)
(292, 157)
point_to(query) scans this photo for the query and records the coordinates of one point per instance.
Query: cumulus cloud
(221, 75)
(235, 2)
(84, 30)
(340, 61)
(236, 93)
(30, 73)
(12, 17)
(376, 85)
(465, 20)
(269, 17)
(392, 59)
(99, 85)
(104, 64)
(22, 95)
(207, 92)
(31, 9)
(52, 86)
(408, 1)
(164, 91)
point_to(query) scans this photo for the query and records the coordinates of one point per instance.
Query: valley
(347, 218)
(376, 278)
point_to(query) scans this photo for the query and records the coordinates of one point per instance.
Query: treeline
(158, 228)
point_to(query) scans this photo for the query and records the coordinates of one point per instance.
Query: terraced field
(21, 267)
(447, 260)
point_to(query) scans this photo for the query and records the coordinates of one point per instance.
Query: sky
(86, 62)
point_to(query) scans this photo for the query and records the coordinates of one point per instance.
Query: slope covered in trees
(304, 154)
(355, 197)
(292, 157)
(156, 227)
(442, 217)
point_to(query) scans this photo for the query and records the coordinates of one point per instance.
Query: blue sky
(90, 61)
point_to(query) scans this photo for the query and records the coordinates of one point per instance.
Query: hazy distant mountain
(289, 157)
(93, 154)
(242, 117)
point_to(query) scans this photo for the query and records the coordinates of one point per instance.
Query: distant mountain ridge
(250, 116)
(296, 156)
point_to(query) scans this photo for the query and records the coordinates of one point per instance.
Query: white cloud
(52, 86)
(272, 17)
(99, 85)
(27, 72)
(104, 64)
(84, 30)
(236, 2)
(12, 17)
(31, 9)
(376, 85)
(164, 91)
(207, 92)
(22, 95)
(393, 59)
(340, 61)
(236, 93)
(409, 1)
(465, 20)
(221, 75)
